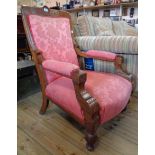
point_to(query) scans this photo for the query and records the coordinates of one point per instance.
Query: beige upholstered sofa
(107, 35)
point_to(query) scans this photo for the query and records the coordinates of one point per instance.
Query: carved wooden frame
(88, 104)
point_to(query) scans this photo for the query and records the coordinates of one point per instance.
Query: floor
(55, 133)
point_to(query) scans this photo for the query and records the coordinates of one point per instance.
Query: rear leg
(45, 103)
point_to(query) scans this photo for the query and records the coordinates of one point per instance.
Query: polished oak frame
(88, 104)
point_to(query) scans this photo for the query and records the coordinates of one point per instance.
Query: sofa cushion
(92, 26)
(129, 30)
(103, 27)
(76, 30)
(85, 25)
(121, 28)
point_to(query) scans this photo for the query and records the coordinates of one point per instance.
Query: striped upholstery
(116, 44)
(76, 30)
(85, 24)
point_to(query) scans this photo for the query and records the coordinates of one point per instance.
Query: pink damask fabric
(111, 91)
(62, 68)
(103, 55)
(61, 91)
(52, 36)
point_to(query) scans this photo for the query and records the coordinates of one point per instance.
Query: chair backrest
(49, 34)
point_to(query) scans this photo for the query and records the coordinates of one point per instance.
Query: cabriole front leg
(90, 136)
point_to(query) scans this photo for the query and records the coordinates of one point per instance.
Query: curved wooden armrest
(88, 104)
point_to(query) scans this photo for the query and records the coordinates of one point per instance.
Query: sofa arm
(62, 68)
(115, 44)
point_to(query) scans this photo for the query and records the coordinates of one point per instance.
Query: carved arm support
(88, 103)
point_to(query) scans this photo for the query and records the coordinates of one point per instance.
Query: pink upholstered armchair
(91, 98)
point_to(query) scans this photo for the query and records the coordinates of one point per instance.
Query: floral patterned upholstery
(102, 55)
(52, 37)
(58, 67)
(111, 91)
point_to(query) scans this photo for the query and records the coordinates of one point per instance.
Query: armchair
(91, 98)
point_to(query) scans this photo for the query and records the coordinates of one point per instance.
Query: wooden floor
(55, 133)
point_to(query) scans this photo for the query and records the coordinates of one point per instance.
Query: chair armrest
(62, 68)
(101, 55)
(118, 61)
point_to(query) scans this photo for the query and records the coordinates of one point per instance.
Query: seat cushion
(61, 92)
(111, 91)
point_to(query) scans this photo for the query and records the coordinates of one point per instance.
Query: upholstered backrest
(52, 36)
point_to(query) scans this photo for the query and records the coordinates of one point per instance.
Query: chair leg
(44, 106)
(90, 136)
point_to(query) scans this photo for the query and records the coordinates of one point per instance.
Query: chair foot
(41, 112)
(91, 139)
(44, 106)
(89, 147)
